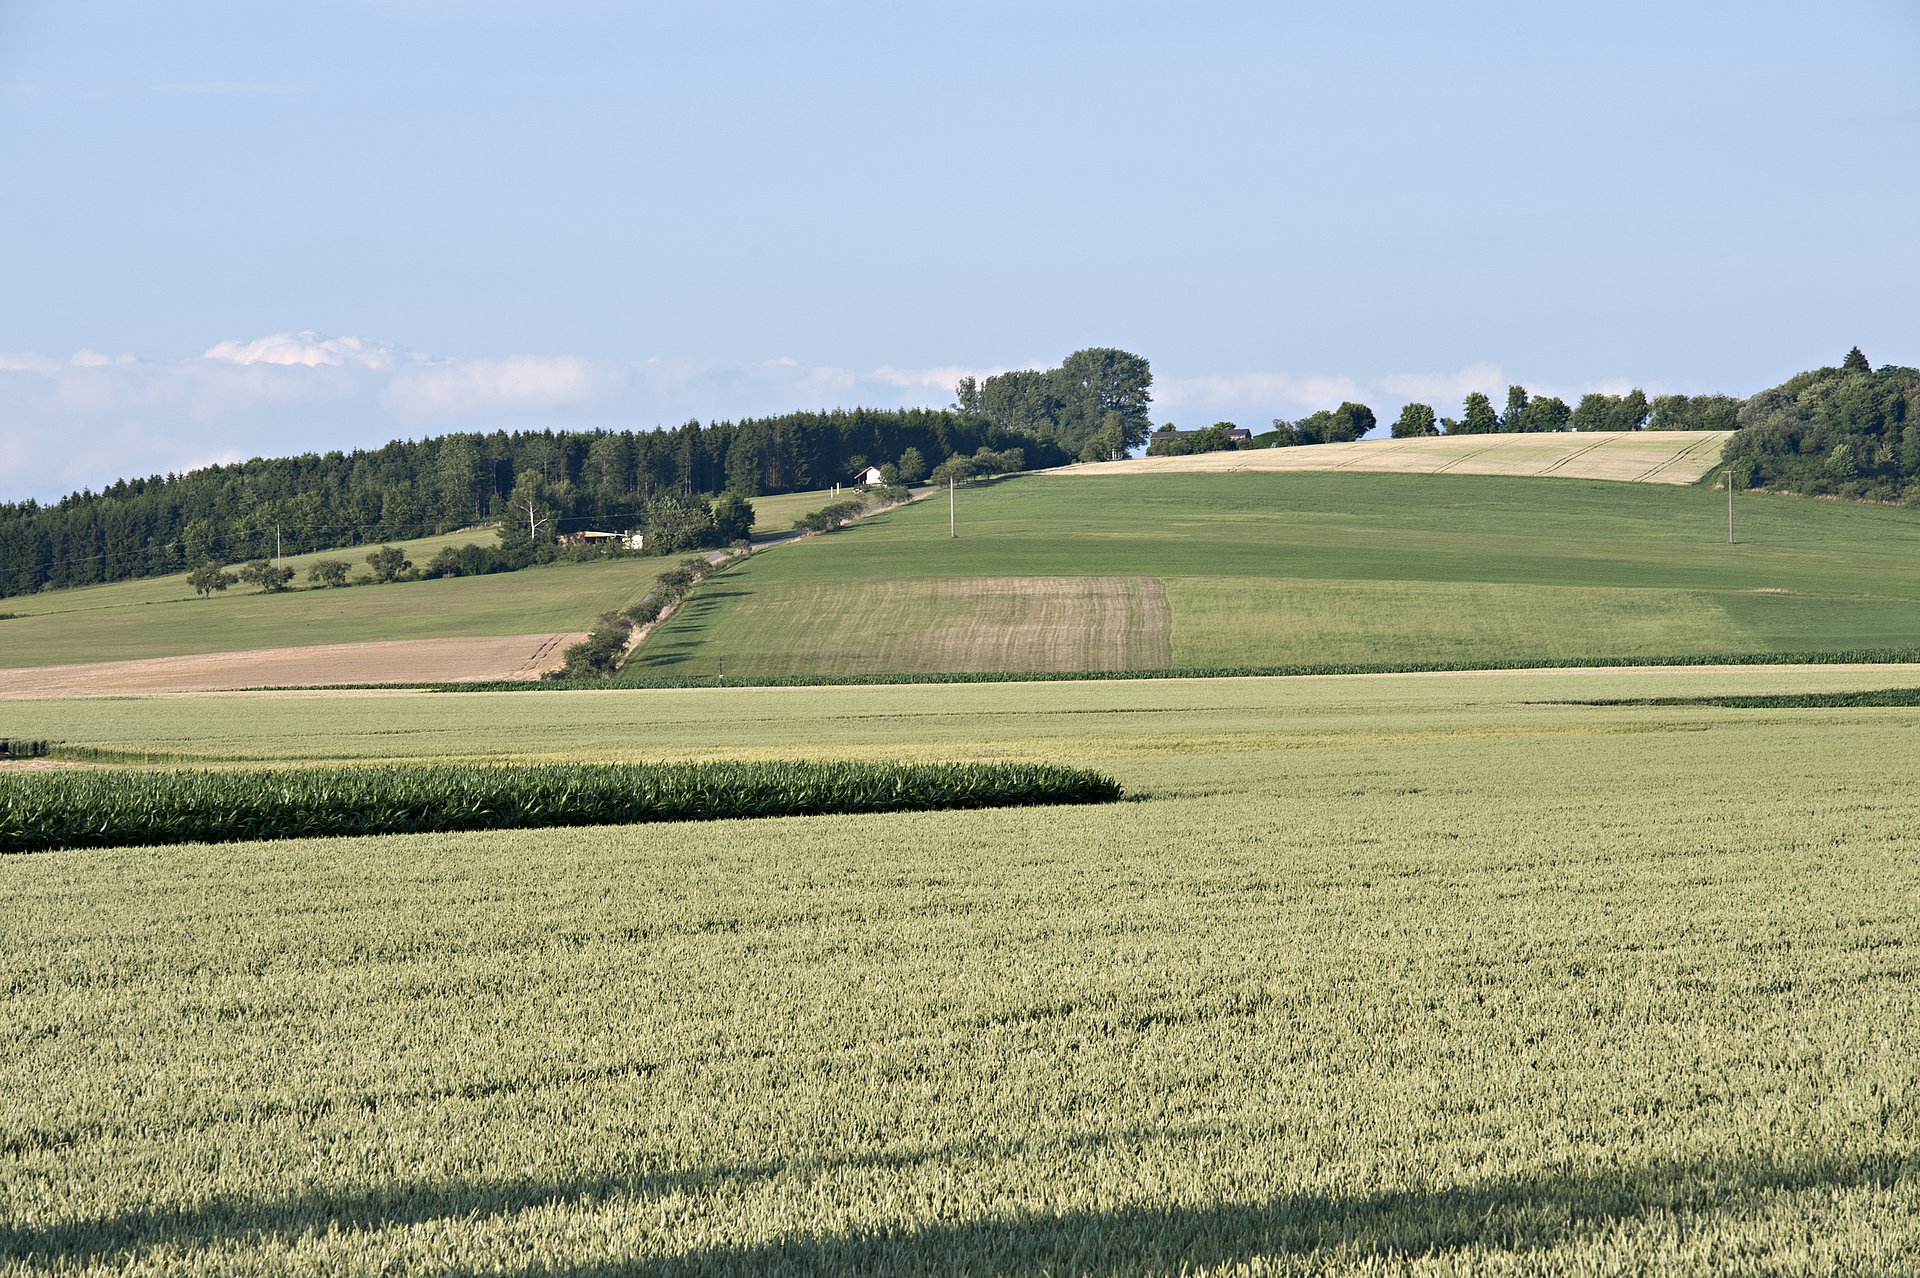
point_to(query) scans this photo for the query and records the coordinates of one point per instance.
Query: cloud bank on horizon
(84, 420)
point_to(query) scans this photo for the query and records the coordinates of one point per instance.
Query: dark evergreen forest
(553, 481)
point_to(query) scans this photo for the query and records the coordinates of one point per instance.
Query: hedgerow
(119, 807)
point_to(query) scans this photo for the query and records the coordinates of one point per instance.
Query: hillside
(161, 617)
(1649, 457)
(1219, 571)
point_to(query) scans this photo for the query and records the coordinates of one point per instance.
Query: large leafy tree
(1075, 405)
(1415, 420)
(1478, 417)
(1100, 381)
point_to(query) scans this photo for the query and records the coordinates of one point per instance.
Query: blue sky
(240, 229)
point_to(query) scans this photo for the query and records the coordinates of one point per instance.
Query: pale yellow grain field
(1645, 457)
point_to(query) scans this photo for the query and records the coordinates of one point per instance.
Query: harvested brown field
(1646, 457)
(396, 661)
(908, 625)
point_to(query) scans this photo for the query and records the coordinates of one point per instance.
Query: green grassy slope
(161, 616)
(1378, 976)
(776, 514)
(1280, 569)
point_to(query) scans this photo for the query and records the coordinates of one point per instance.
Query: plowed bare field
(397, 661)
(1647, 457)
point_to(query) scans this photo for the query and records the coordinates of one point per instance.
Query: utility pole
(276, 545)
(1729, 507)
(951, 532)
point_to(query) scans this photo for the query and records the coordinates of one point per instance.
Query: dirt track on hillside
(395, 661)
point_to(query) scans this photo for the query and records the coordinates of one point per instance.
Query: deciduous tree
(208, 578)
(270, 577)
(1415, 420)
(328, 572)
(1479, 417)
(387, 563)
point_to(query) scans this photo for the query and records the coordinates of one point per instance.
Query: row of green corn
(122, 807)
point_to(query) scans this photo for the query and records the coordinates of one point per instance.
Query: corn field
(128, 807)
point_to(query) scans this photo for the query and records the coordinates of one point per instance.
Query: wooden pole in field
(951, 531)
(1729, 507)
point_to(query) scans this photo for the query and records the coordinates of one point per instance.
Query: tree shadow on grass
(1518, 1214)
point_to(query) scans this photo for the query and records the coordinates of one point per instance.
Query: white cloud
(933, 385)
(480, 388)
(1441, 389)
(307, 349)
(1250, 398)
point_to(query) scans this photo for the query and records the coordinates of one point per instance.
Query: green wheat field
(1395, 974)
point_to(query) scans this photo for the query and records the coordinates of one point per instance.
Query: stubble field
(1406, 974)
(1642, 456)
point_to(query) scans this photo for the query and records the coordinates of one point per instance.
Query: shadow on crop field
(1521, 1213)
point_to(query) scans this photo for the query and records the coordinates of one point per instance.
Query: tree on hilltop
(1479, 417)
(1414, 421)
(1856, 362)
(1516, 417)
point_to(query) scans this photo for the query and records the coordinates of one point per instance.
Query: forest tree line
(536, 484)
(540, 484)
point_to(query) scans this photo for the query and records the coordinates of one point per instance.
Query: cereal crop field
(1645, 457)
(1397, 974)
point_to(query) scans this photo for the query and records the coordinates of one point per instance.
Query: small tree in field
(328, 572)
(269, 577)
(387, 563)
(208, 578)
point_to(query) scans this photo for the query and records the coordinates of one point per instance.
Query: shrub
(598, 656)
(827, 518)
(269, 577)
(329, 572)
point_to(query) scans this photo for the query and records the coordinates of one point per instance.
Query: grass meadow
(776, 514)
(161, 616)
(1401, 974)
(1284, 569)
